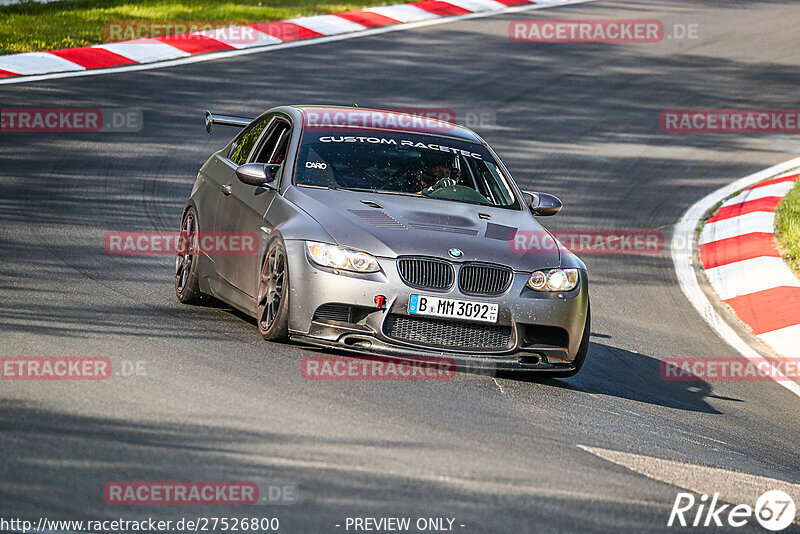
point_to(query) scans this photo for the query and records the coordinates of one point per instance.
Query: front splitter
(367, 346)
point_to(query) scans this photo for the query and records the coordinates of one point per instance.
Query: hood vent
(372, 204)
(448, 229)
(379, 219)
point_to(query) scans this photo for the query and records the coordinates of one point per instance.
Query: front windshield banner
(403, 163)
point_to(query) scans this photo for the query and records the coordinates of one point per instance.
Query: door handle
(226, 190)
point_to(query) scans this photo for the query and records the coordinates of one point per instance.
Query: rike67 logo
(774, 510)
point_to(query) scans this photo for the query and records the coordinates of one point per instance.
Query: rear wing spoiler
(225, 120)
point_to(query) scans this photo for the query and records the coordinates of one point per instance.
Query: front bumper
(543, 330)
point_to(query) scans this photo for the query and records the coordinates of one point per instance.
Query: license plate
(452, 308)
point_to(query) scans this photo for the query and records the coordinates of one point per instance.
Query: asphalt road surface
(496, 454)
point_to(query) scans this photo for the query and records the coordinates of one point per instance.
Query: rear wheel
(273, 293)
(187, 286)
(583, 349)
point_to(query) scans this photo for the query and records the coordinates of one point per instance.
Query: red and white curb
(737, 250)
(211, 44)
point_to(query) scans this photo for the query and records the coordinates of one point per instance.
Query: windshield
(402, 163)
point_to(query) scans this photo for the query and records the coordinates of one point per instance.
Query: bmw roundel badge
(455, 252)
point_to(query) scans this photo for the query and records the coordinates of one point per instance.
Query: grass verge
(30, 27)
(787, 228)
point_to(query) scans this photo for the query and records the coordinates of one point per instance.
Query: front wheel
(187, 286)
(273, 294)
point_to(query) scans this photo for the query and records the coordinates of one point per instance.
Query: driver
(438, 176)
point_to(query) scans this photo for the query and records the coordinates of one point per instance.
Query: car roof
(385, 119)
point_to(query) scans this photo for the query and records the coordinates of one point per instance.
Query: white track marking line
(327, 24)
(480, 485)
(36, 63)
(684, 269)
(749, 223)
(733, 487)
(750, 276)
(773, 190)
(293, 44)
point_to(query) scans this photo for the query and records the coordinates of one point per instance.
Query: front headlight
(337, 257)
(554, 280)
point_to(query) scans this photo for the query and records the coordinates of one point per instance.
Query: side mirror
(258, 174)
(542, 204)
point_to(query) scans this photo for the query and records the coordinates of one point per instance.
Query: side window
(244, 144)
(273, 148)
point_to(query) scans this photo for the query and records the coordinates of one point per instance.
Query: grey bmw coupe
(384, 233)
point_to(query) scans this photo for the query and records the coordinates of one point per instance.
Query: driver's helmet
(440, 169)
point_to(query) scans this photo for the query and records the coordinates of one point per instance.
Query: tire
(187, 285)
(583, 349)
(273, 293)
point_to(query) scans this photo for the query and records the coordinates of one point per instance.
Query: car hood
(388, 225)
